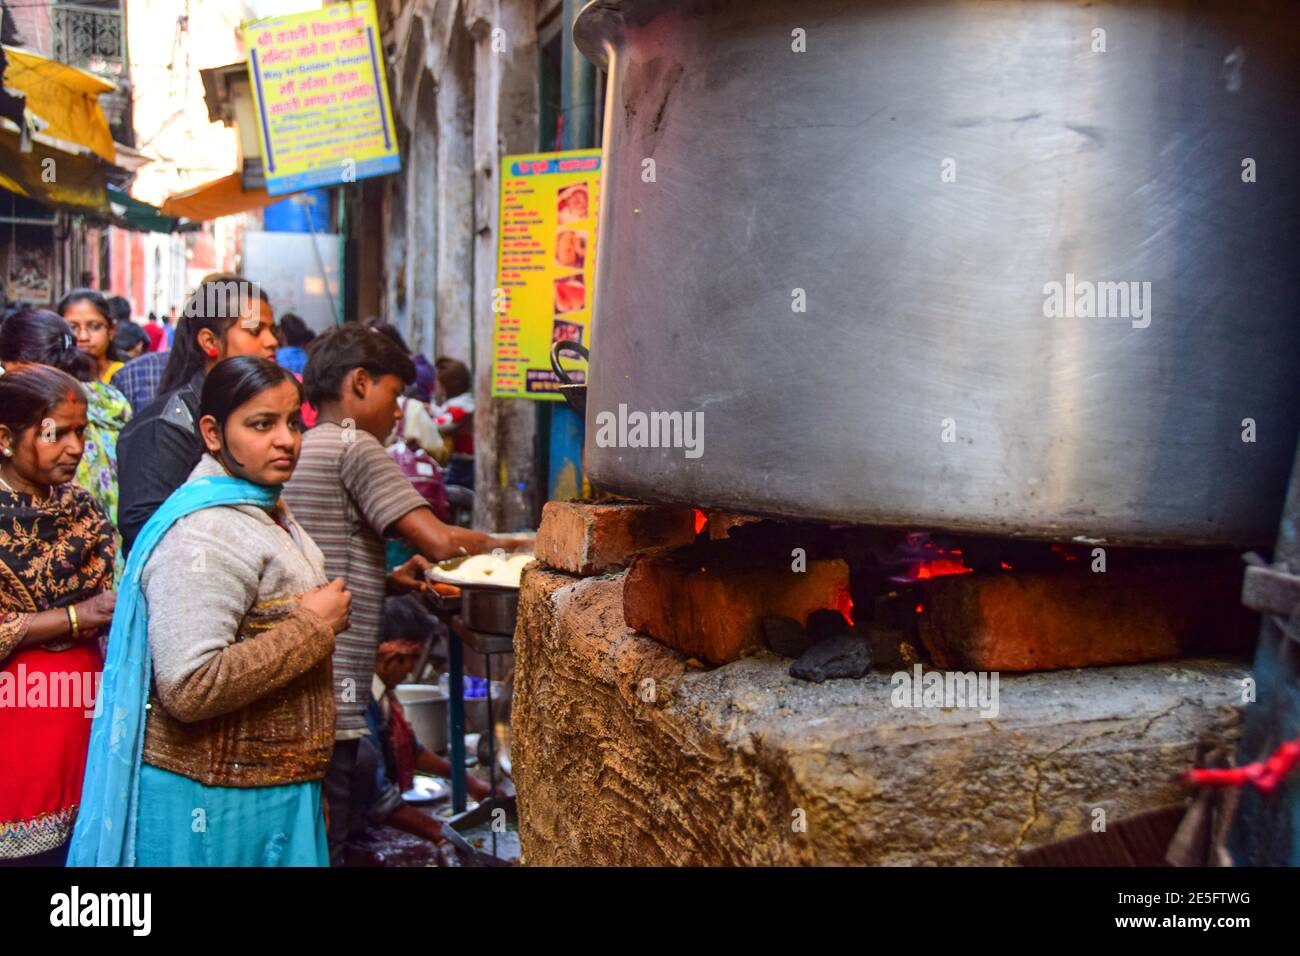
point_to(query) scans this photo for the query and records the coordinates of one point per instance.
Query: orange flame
(844, 604)
(701, 519)
(940, 567)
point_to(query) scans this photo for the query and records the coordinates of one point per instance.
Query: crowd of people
(204, 534)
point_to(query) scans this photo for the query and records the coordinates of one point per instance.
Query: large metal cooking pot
(920, 175)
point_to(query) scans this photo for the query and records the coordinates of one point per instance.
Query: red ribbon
(1266, 775)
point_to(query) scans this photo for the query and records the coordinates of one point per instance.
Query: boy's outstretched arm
(438, 541)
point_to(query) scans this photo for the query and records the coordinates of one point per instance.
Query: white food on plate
(490, 569)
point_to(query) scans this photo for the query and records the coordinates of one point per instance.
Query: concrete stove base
(626, 754)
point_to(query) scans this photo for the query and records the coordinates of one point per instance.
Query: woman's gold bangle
(72, 619)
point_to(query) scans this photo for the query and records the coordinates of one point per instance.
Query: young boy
(397, 753)
(349, 493)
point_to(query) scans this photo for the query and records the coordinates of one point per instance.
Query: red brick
(1040, 622)
(709, 602)
(589, 539)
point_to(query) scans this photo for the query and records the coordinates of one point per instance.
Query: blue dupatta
(106, 823)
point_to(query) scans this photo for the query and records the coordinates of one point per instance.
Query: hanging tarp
(65, 98)
(221, 197)
(132, 213)
(51, 176)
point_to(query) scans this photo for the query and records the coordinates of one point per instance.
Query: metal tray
(455, 828)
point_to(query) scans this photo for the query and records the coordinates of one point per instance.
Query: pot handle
(574, 394)
(566, 346)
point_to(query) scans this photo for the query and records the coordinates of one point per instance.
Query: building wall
(459, 106)
(33, 23)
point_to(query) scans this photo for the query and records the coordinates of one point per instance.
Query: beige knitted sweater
(241, 673)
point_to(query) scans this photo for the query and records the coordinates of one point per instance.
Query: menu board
(546, 266)
(321, 97)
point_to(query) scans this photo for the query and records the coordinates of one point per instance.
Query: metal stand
(487, 645)
(456, 718)
(492, 742)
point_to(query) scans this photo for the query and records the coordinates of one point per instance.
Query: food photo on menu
(571, 248)
(571, 204)
(570, 293)
(562, 331)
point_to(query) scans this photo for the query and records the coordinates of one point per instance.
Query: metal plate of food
(494, 572)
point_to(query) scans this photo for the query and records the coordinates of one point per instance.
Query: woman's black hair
(29, 393)
(295, 330)
(120, 306)
(128, 336)
(101, 306)
(213, 306)
(39, 335)
(333, 354)
(237, 380)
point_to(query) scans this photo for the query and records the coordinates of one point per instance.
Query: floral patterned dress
(108, 411)
(53, 552)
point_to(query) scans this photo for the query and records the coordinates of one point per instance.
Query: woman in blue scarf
(216, 714)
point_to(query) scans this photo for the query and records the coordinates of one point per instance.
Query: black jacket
(155, 454)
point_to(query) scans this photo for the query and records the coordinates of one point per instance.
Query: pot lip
(597, 28)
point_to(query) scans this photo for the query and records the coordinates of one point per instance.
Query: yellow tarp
(221, 197)
(65, 97)
(52, 176)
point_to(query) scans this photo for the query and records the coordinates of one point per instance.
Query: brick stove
(656, 720)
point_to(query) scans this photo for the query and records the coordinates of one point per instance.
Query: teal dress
(194, 825)
(188, 824)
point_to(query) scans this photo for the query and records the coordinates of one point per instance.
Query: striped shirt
(347, 491)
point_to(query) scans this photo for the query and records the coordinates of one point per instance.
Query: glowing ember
(925, 559)
(844, 604)
(701, 519)
(938, 568)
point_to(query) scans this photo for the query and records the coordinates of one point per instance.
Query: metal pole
(492, 741)
(578, 131)
(456, 718)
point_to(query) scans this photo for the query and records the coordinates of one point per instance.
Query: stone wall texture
(625, 754)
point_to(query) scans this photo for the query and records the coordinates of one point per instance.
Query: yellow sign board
(321, 97)
(546, 267)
